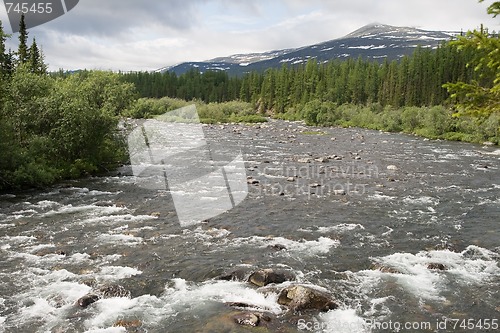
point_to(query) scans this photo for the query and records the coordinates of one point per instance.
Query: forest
(56, 126)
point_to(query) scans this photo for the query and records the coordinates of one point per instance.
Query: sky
(137, 35)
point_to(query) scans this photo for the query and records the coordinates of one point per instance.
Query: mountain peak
(384, 31)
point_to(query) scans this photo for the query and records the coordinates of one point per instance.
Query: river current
(399, 229)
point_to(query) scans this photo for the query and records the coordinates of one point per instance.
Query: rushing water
(437, 203)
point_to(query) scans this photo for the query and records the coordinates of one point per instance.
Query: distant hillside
(374, 41)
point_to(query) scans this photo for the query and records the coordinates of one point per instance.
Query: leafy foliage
(481, 97)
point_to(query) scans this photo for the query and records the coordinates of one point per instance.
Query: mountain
(374, 41)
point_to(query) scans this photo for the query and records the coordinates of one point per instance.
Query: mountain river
(403, 232)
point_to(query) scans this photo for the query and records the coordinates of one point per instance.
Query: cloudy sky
(150, 34)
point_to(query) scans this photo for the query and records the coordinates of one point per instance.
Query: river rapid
(398, 229)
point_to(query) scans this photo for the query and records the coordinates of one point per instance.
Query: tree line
(415, 80)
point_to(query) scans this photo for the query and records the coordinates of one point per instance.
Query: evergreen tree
(3, 53)
(36, 64)
(22, 53)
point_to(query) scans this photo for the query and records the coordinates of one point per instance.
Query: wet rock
(436, 266)
(384, 269)
(321, 159)
(252, 181)
(305, 160)
(246, 319)
(277, 247)
(105, 291)
(299, 298)
(243, 321)
(112, 290)
(88, 299)
(235, 275)
(267, 276)
(445, 246)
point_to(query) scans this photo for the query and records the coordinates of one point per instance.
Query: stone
(246, 319)
(321, 159)
(105, 291)
(392, 168)
(112, 290)
(436, 266)
(267, 276)
(339, 192)
(252, 181)
(88, 299)
(305, 160)
(290, 179)
(488, 143)
(277, 247)
(235, 275)
(299, 298)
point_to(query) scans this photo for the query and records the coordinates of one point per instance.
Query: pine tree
(22, 52)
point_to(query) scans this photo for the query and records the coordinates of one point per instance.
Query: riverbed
(399, 229)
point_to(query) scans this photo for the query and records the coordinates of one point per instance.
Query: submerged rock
(385, 269)
(298, 298)
(235, 275)
(242, 321)
(267, 276)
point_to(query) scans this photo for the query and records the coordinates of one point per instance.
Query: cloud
(149, 34)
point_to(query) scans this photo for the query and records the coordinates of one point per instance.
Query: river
(401, 230)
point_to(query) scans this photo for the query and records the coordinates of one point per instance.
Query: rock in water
(236, 275)
(436, 266)
(88, 299)
(113, 290)
(267, 276)
(246, 319)
(105, 291)
(298, 298)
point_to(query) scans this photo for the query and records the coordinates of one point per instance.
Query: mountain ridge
(374, 41)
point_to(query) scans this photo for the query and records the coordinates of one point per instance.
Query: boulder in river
(299, 298)
(105, 291)
(267, 276)
(436, 266)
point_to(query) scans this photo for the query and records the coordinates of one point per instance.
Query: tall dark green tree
(22, 53)
(3, 51)
(36, 62)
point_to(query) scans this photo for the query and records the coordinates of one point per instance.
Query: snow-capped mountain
(374, 41)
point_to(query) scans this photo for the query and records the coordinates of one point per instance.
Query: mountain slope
(374, 41)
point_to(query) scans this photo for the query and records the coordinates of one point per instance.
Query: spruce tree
(3, 54)
(22, 52)
(36, 64)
